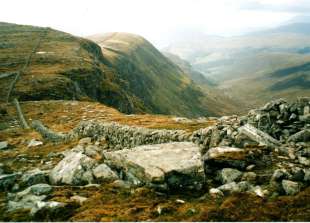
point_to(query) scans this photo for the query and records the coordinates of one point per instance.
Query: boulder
(38, 190)
(301, 136)
(228, 175)
(216, 193)
(225, 157)
(35, 176)
(26, 202)
(257, 190)
(103, 173)
(46, 208)
(85, 141)
(307, 175)
(92, 151)
(249, 176)
(280, 174)
(4, 145)
(297, 174)
(2, 169)
(176, 165)
(258, 136)
(290, 187)
(74, 169)
(229, 188)
(121, 184)
(78, 199)
(7, 181)
(34, 143)
(31, 198)
(304, 161)
(244, 186)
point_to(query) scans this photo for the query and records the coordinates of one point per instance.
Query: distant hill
(243, 66)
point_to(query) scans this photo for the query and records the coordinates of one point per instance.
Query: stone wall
(123, 137)
(277, 119)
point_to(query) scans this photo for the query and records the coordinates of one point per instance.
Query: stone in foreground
(74, 169)
(3, 145)
(169, 165)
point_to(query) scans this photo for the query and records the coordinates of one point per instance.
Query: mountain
(163, 86)
(126, 72)
(243, 66)
(62, 67)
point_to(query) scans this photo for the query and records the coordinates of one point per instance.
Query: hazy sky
(154, 19)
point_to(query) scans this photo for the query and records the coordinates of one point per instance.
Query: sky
(156, 20)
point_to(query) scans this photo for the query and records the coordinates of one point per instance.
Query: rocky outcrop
(164, 166)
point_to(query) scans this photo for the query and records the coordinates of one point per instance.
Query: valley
(247, 68)
(109, 128)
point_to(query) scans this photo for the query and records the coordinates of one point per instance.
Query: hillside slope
(163, 86)
(196, 76)
(63, 67)
(128, 73)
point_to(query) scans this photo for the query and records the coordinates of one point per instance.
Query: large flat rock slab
(174, 165)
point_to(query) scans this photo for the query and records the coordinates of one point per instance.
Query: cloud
(291, 6)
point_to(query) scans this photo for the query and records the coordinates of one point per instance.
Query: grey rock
(34, 143)
(121, 184)
(228, 175)
(257, 190)
(26, 202)
(304, 118)
(85, 141)
(74, 169)
(7, 181)
(46, 207)
(290, 187)
(2, 169)
(301, 136)
(4, 145)
(216, 193)
(258, 136)
(304, 161)
(38, 190)
(177, 164)
(250, 167)
(225, 157)
(229, 188)
(297, 174)
(78, 199)
(92, 151)
(35, 176)
(244, 186)
(307, 175)
(249, 176)
(280, 174)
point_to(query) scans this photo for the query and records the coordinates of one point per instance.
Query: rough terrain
(107, 166)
